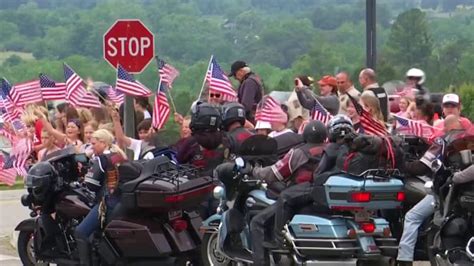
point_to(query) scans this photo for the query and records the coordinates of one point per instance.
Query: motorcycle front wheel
(26, 249)
(209, 252)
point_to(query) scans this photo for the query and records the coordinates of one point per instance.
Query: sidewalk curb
(14, 239)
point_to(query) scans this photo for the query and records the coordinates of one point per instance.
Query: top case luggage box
(163, 185)
(384, 192)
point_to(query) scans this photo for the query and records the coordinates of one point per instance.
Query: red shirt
(38, 129)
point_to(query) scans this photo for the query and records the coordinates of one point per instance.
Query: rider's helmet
(339, 127)
(315, 132)
(41, 179)
(417, 74)
(232, 112)
(205, 117)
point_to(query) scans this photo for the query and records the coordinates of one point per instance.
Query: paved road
(11, 213)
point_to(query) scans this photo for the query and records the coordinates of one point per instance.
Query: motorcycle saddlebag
(144, 238)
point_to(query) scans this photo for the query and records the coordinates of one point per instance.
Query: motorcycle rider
(415, 78)
(346, 152)
(204, 149)
(233, 121)
(425, 208)
(296, 166)
(102, 178)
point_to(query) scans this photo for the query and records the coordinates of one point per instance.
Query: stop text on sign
(128, 46)
(129, 43)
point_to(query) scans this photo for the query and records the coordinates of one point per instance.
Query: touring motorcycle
(349, 233)
(159, 221)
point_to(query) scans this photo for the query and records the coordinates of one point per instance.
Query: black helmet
(232, 112)
(205, 117)
(315, 132)
(339, 126)
(40, 179)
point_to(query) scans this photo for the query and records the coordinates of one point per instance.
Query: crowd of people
(214, 130)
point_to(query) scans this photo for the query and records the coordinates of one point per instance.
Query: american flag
(417, 128)
(367, 121)
(267, 108)
(128, 85)
(21, 150)
(26, 92)
(7, 175)
(8, 109)
(76, 94)
(161, 109)
(320, 113)
(115, 96)
(167, 73)
(52, 90)
(219, 82)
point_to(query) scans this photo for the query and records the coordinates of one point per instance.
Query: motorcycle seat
(149, 167)
(274, 189)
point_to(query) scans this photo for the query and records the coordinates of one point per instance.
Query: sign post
(131, 44)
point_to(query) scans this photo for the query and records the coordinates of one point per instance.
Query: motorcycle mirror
(429, 187)
(470, 247)
(436, 165)
(239, 162)
(218, 192)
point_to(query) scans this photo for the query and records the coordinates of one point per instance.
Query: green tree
(409, 43)
(466, 91)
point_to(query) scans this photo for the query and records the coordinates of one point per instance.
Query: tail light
(187, 195)
(360, 197)
(179, 225)
(367, 227)
(401, 196)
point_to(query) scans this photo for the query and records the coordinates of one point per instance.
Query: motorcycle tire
(431, 237)
(26, 249)
(209, 254)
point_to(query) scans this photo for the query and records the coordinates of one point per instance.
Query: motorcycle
(158, 221)
(454, 215)
(350, 233)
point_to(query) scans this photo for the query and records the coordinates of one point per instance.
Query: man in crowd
(233, 121)
(368, 81)
(250, 90)
(452, 106)
(344, 87)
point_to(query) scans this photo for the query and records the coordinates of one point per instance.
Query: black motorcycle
(454, 216)
(158, 221)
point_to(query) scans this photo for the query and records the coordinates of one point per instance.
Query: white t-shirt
(136, 147)
(146, 114)
(274, 134)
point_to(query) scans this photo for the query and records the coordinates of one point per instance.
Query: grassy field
(25, 56)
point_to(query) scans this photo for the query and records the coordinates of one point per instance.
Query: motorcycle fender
(211, 224)
(26, 225)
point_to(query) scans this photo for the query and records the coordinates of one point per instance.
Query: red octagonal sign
(129, 43)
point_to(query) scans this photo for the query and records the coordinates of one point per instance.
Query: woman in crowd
(73, 135)
(353, 115)
(371, 104)
(89, 128)
(407, 107)
(48, 144)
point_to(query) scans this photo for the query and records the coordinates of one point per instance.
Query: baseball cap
(328, 80)
(236, 66)
(451, 98)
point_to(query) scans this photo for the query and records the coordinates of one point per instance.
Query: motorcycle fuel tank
(71, 206)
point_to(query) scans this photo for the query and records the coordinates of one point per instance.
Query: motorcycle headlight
(218, 192)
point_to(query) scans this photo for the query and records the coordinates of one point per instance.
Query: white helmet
(417, 73)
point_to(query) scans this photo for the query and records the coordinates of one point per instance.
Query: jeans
(91, 222)
(413, 219)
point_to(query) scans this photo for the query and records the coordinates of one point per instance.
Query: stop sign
(129, 43)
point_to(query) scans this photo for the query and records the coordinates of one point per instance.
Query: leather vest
(305, 172)
(381, 94)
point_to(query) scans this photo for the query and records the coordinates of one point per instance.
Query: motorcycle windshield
(57, 155)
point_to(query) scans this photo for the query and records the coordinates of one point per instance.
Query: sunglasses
(214, 95)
